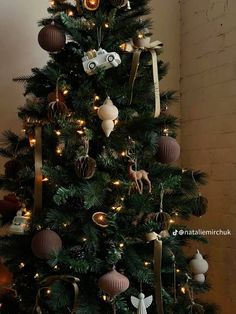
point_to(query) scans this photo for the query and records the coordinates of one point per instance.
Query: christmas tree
(94, 192)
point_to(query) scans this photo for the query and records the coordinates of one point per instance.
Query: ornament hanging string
(153, 236)
(45, 285)
(152, 48)
(38, 187)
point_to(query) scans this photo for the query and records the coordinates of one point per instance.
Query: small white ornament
(199, 267)
(108, 112)
(141, 303)
(94, 59)
(108, 127)
(20, 223)
(199, 278)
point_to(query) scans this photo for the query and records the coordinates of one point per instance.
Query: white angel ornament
(141, 303)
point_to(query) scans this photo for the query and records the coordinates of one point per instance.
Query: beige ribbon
(38, 171)
(46, 283)
(152, 48)
(153, 236)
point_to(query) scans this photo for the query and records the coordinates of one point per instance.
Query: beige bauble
(108, 127)
(199, 278)
(108, 111)
(198, 264)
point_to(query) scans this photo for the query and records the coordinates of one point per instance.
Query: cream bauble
(108, 127)
(142, 42)
(199, 278)
(198, 264)
(108, 111)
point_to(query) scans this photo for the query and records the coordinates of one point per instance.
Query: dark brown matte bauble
(46, 243)
(9, 205)
(113, 283)
(5, 276)
(51, 38)
(52, 97)
(163, 220)
(168, 150)
(57, 109)
(12, 167)
(199, 206)
(85, 167)
(119, 3)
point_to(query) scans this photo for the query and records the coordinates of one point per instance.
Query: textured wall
(19, 52)
(208, 98)
(166, 28)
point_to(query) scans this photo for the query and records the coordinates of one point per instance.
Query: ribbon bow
(152, 48)
(153, 236)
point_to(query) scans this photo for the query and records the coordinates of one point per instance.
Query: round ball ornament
(51, 38)
(85, 167)
(168, 150)
(5, 276)
(108, 111)
(198, 265)
(199, 278)
(45, 243)
(199, 206)
(119, 3)
(113, 283)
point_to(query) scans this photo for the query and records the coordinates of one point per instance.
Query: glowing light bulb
(123, 154)
(140, 36)
(32, 142)
(177, 270)
(70, 13)
(84, 239)
(117, 182)
(48, 291)
(45, 179)
(22, 265)
(183, 290)
(95, 107)
(96, 97)
(106, 25)
(58, 132)
(36, 275)
(146, 264)
(104, 297)
(121, 245)
(171, 221)
(52, 3)
(55, 267)
(65, 91)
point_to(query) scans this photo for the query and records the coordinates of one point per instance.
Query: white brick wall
(208, 112)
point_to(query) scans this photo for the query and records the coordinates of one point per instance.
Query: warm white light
(22, 265)
(36, 275)
(70, 13)
(183, 290)
(116, 182)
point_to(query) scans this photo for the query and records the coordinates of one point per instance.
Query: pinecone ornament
(77, 252)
